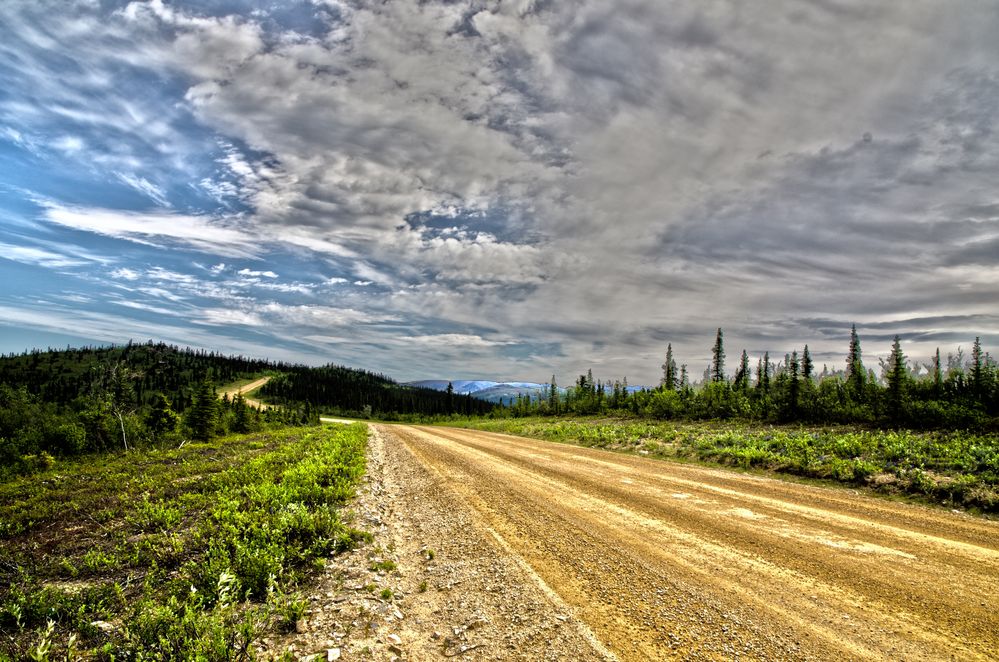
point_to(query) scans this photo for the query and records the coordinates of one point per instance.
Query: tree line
(960, 392)
(94, 399)
(355, 393)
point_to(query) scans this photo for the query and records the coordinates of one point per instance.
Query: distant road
(671, 561)
(249, 388)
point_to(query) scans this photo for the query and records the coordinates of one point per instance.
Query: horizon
(696, 377)
(500, 189)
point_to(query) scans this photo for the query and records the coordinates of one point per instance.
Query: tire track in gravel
(663, 560)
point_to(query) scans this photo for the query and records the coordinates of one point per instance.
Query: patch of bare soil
(249, 388)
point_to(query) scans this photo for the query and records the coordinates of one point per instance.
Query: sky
(501, 190)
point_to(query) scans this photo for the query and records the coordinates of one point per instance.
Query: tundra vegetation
(172, 553)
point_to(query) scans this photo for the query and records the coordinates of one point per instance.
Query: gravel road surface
(644, 559)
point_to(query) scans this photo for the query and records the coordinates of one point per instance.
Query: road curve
(668, 561)
(249, 388)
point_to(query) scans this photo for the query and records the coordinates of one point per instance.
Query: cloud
(257, 274)
(38, 256)
(214, 236)
(124, 273)
(597, 178)
(290, 316)
(144, 186)
(457, 341)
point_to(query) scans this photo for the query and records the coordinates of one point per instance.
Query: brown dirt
(457, 591)
(249, 388)
(560, 547)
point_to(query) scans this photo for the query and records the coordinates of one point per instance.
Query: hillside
(64, 376)
(91, 399)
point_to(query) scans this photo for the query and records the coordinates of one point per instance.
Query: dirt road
(666, 561)
(249, 388)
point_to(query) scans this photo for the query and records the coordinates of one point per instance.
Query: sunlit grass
(952, 467)
(175, 554)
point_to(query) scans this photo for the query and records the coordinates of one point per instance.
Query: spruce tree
(855, 373)
(203, 415)
(793, 386)
(937, 375)
(669, 380)
(718, 359)
(240, 414)
(742, 374)
(897, 377)
(553, 396)
(977, 368)
(807, 368)
(161, 417)
(763, 378)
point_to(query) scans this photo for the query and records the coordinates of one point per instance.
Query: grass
(188, 553)
(954, 468)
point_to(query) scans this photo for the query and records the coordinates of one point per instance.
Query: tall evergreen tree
(553, 396)
(937, 375)
(742, 374)
(718, 359)
(161, 417)
(794, 386)
(763, 373)
(669, 380)
(977, 368)
(203, 415)
(684, 380)
(807, 367)
(855, 373)
(240, 414)
(897, 377)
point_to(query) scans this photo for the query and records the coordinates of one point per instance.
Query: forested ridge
(354, 392)
(91, 399)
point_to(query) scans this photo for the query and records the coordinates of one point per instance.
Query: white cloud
(215, 236)
(228, 317)
(457, 340)
(139, 305)
(39, 257)
(257, 274)
(69, 144)
(144, 186)
(125, 273)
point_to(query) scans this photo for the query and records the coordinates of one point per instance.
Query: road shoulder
(434, 584)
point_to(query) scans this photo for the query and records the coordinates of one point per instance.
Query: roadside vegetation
(956, 468)
(172, 553)
(926, 429)
(961, 392)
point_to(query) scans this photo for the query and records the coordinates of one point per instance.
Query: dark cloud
(540, 184)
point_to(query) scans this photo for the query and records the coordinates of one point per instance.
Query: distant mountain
(486, 390)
